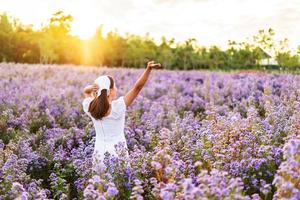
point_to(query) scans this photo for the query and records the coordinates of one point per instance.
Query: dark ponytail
(100, 105)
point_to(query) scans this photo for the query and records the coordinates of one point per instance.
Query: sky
(210, 22)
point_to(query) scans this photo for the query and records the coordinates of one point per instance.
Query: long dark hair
(100, 105)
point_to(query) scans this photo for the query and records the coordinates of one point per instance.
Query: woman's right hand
(132, 93)
(152, 65)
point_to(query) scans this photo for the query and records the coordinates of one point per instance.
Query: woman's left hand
(95, 89)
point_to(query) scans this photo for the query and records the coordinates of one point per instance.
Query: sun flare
(86, 20)
(83, 30)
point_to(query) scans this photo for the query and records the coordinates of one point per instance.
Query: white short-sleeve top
(112, 124)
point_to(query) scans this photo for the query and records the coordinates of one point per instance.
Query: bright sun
(86, 19)
(84, 26)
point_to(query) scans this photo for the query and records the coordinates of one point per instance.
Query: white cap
(103, 82)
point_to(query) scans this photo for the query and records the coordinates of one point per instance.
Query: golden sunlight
(86, 19)
(83, 30)
(218, 22)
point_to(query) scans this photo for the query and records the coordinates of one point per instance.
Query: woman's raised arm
(139, 84)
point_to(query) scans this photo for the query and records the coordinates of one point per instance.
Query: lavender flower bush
(191, 135)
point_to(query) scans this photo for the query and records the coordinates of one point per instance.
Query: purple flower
(112, 191)
(156, 165)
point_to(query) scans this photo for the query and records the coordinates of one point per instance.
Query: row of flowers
(191, 135)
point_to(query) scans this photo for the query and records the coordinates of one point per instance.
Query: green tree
(284, 56)
(6, 35)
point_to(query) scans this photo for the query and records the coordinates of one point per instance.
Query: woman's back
(109, 130)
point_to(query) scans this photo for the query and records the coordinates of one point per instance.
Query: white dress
(113, 128)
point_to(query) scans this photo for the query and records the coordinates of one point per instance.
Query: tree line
(53, 43)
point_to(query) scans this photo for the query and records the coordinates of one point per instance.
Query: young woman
(108, 115)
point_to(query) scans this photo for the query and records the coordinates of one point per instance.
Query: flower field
(190, 134)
